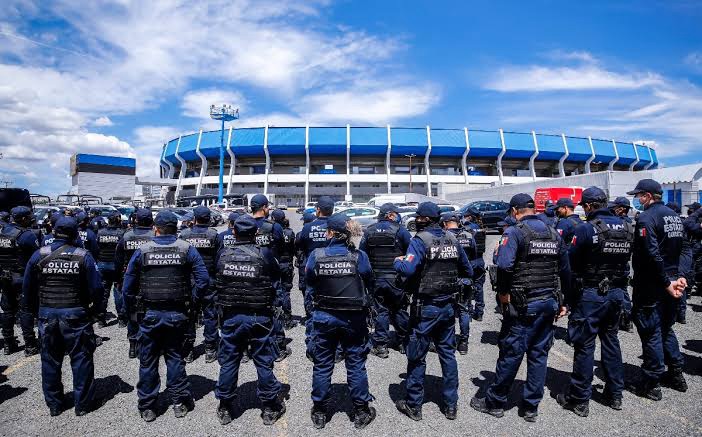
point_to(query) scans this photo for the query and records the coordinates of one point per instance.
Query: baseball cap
(166, 219)
(245, 225)
(694, 206)
(522, 200)
(387, 208)
(337, 222)
(326, 204)
(144, 217)
(278, 215)
(259, 201)
(66, 228)
(20, 212)
(565, 201)
(202, 213)
(233, 216)
(450, 217)
(308, 217)
(428, 209)
(646, 186)
(593, 194)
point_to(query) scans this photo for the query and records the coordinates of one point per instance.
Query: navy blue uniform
(389, 300)
(89, 239)
(65, 325)
(478, 264)
(594, 312)
(530, 331)
(463, 307)
(312, 236)
(122, 258)
(274, 241)
(656, 262)
(225, 239)
(108, 239)
(162, 331)
(566, 227)
(16, 247)
(694, 232)
(339, 328)
(432, 319)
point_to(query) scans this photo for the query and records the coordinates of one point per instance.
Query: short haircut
(167, 230)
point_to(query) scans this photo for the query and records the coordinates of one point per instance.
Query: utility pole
(410, 156)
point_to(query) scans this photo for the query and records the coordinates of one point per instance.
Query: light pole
(410, 156)
(224, 113)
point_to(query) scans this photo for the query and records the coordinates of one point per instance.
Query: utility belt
(141, 306)
(602, 285)
(419, 302)
(225, 312)
(520, 297)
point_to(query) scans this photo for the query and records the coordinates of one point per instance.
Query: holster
(518, 298)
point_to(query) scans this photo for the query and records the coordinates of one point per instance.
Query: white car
(365, 216)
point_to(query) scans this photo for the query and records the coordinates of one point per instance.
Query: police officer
(63, 287)
(531, 260)
(4, 219)
(620, 207)
(338, 280)
(658, 285)
(226, 238)
(549, 214)
(187, 222)
(599, 256)
(693, 227)
(132, 240)
(314, 236)
(204, 239)
(286, 256)
(687, 268)
(247, 279)
(301, 256)
(157, 283)
(17, 244)
(473, 225)
(97, 221)
(108, 237)
(87, 235)
(432, 267)
(383, 242)
(451, 223)
(567, 219)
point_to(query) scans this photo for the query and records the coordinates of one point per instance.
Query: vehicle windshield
(126, 210)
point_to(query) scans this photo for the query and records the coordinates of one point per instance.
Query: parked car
(283, 206)
(490, 212)
(408, 219)
(308, 205)
(365, 216)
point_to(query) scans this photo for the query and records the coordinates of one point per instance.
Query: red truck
(541, 195)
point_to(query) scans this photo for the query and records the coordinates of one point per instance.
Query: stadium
(299, 164)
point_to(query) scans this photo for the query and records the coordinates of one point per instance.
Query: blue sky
(124, 77)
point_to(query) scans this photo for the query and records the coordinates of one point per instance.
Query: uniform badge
(503, 240)
(409, 258)
(642, 232)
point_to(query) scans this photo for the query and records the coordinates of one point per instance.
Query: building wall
(104, 185)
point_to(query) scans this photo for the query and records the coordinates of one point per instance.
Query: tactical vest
(132, 242)
(382, 247)
(465, 239)
(440, 274)
(83, 235)
(49, 239)
(9, 250)
(479, 236)
(317, 235)
(338, 284)
(537, 263)
(287, 252)
(610, 256)
(164, 278)
(228, 239)
(59, 277)
(205, 243)
(107, 239)
(242, 280)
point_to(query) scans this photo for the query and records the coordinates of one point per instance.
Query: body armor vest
(610, 256)
(132, 242)
(264, 234)
(439, 276)
(382, 247)
(107, 239)
(49, 239)
(59, 277)
(242, 280)
(164, 278)
(338, 284)
(205, 243)
(287, 252)
(228, 239)
(537, 264)
(479, 236)
(9, 250)
(466, 240)
(317, 235)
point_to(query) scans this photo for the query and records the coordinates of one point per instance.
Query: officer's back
(384, 241)
(202, 237)
(313, 235)
(226, 238)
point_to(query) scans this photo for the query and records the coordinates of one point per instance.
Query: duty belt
(177, 306)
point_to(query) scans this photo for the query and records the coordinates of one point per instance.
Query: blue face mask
(637, 204)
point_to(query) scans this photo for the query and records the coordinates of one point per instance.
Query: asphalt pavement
(23, 411)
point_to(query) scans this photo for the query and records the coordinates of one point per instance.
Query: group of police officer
(239, 281)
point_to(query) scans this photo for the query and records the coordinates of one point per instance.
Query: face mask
(637, 204)
(421, 225)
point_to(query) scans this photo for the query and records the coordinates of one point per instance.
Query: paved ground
(23, 412)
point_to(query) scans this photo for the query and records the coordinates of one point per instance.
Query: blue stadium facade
(302, 163)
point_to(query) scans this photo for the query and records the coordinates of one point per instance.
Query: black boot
(650, 390)
(189, 352)
(462, 345)
(133, 347)
(412, 413)
(363, 415)
(319, 416)
(271, 413)
(380, 351)
(210, 353)
(674, 379)
(11, 346)
(31, 347)
(224, 413)
(581, 409)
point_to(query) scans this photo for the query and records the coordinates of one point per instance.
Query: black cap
(450, 217)
(55, 217)
(622, 202)
(202, 213)
(593, 194)
(144, 217)
(337, 222)
(166, 219)
(521, 200)
(326, 205)
(20, 212)
(245, 226)
(278, 215)
(259, 201)
(233, 216)
(674, 206)
(66, 228)
(308, 217)
(646, 186)
(565, 201)
(387, 208)
(81, 216)
(694, 206)
(471, 212)
(428, 209)
(549, 203)
(507, 221)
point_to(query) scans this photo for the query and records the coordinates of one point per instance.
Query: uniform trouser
(286, 278)
(626, 303)
(658, 341)
(10, 305)
(478, 287)
(532, 334)
(390, 307)
(596, 316)
(435, 324)
(161, 333)
(239, 333)
(67, 331)
(464, 312)
(348, 329)
(107, 271)
(682, 306)
(210, 332)
(301, 283)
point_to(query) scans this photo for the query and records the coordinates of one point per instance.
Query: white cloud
(196, 104)
(581, 56)
(102, 121)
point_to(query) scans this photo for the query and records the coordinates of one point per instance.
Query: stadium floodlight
(222, 112)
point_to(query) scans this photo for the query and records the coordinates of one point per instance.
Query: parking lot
(23, 412)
